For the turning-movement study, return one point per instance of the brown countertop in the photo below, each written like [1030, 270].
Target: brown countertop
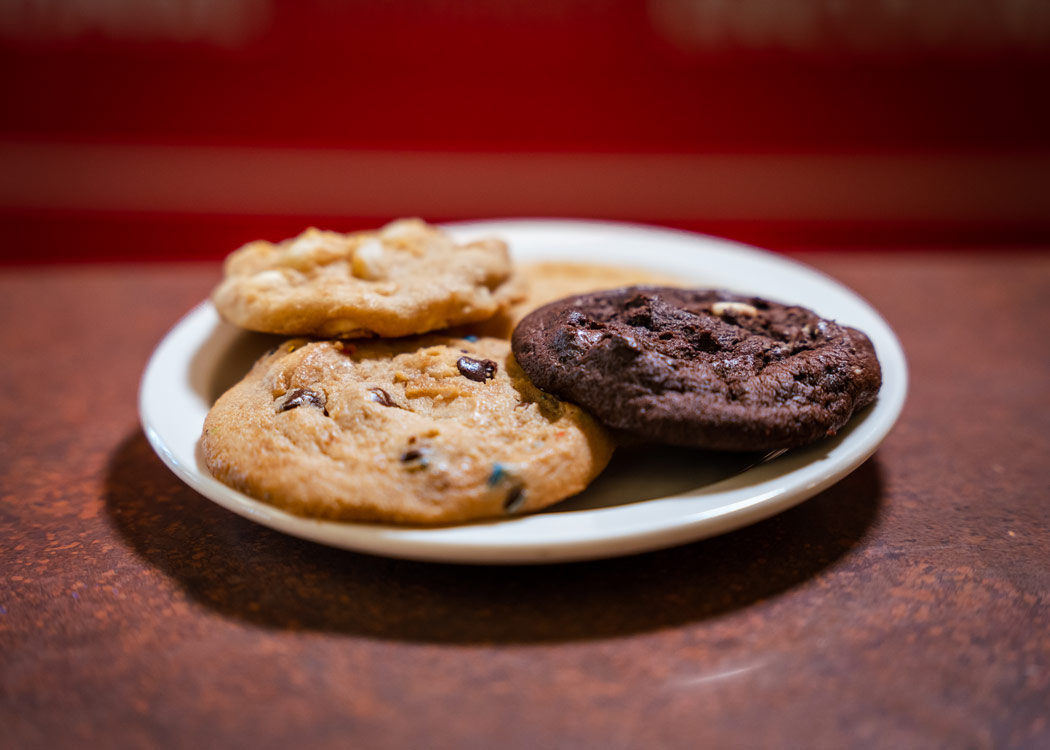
[908, 606]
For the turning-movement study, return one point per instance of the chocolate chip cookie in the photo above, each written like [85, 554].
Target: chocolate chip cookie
[422, 430]
[547, 281]
[406, 278]
[700, 368]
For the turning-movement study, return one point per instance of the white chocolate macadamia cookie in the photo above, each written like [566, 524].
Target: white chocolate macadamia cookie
[403, 279]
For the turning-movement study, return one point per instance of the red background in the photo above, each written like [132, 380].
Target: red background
[516, 79]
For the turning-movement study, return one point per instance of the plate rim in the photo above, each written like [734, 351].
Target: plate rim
[443, 544]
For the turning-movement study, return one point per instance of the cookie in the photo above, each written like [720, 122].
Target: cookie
[424, 430]
[700, 368]
[404, 279]
[548, 281]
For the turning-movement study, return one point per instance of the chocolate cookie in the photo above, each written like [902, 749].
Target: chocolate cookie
[700, 368]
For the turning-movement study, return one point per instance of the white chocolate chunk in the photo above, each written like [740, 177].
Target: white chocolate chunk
[270, 278]
[368, 261]
[736, 309]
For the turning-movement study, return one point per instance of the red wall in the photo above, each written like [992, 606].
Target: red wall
[159, 130]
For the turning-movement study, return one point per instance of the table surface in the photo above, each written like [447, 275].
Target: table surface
[908, 606]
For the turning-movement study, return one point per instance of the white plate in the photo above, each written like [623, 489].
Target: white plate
[646, 499]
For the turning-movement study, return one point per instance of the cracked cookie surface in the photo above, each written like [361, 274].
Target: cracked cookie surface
[424, 430]
[700, 368]
[406, 278]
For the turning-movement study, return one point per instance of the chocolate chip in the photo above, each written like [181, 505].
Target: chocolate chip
[497, 475]
[414, 460]
[303, 397]
[515, 499]
[478, 370]
[382, 397]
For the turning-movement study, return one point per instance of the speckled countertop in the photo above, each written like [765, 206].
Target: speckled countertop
[908, 606]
